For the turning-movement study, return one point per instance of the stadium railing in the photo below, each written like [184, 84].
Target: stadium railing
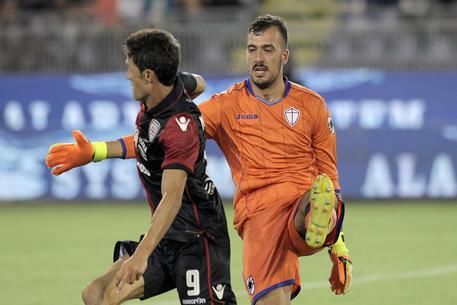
[79, 45]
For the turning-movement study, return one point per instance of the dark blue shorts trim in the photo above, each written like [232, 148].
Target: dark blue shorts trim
[266, 290]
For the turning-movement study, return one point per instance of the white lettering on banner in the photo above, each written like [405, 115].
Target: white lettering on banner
[406, 115]
[97, 175]
[68, 185]
[373, 113]
[23, 177]
[13, 116]
[443, 182]
[378, 182]
[73, 116]
[125, 182]
[104, 114]
[343, 112]
[119, 177]
[39, 111]
[409, 184]
[130, 111]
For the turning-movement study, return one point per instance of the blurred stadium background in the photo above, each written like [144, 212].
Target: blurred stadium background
[387, 69]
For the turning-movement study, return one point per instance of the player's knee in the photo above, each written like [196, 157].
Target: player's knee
[93, 294]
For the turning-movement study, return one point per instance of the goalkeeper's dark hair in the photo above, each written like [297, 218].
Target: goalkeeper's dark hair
[264, 22]
[157, 50]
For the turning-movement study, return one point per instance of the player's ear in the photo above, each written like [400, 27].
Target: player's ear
[285, 56]
[149, 76]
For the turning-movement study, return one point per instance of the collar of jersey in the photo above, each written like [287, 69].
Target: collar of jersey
[170, 99]
[286, 92]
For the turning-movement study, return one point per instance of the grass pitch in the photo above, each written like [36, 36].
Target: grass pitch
[403, 253]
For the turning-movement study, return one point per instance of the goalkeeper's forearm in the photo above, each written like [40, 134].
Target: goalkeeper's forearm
[123, 148]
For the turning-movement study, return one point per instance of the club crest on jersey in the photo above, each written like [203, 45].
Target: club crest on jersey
[292, 115]
[154, 128]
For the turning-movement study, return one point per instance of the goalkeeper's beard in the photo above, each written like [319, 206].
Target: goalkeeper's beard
[263, 83]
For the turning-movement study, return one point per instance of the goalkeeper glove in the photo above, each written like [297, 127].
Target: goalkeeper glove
[341, 275]
[65, 156]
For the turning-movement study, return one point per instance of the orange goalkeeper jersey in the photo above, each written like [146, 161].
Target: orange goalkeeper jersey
[274, 149]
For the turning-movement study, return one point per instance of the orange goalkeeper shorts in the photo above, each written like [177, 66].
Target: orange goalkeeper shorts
[271, 247]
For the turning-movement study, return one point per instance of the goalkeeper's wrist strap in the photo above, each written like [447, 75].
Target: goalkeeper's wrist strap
[124, 147]
[100, 151]
[128, 146]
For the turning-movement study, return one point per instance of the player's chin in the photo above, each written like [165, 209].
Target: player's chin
[139, 97]
[261, 82]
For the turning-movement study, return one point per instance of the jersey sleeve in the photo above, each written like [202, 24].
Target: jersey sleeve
[180, 141]
[211, 111]
[324, 142]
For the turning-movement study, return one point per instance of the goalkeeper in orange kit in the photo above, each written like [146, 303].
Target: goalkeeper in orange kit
[280, 143]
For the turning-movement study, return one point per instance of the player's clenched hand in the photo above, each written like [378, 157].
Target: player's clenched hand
[341, 275]
[63, 157]
[131, 270]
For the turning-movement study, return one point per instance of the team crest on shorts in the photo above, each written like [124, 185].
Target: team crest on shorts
[250, 285]
[292, 115]
[154, 128]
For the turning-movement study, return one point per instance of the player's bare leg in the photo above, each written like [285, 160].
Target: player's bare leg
[316, 214]
[278, 296]
[102, 290]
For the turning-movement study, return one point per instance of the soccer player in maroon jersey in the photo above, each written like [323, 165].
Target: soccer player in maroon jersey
[187, 244]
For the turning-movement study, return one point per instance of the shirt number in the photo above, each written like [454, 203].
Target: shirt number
[193, 282]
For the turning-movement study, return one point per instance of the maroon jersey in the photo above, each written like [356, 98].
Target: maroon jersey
[171, 136]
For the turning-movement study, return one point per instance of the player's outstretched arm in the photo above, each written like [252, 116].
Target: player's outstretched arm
[341, 274]
[63, 157]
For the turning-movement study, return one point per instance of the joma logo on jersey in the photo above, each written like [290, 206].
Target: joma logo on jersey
[241, 116]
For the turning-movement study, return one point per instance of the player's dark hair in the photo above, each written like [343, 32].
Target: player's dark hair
[264, 22]
[157, 50]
